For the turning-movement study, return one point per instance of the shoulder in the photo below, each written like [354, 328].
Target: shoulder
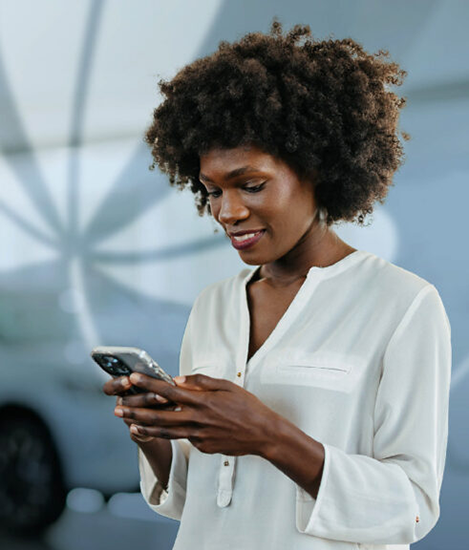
[390, 274]
[396, 288]
[389, 278]
[223, 291]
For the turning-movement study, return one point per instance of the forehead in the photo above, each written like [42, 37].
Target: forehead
[221, 162]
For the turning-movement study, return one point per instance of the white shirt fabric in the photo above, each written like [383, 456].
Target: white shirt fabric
[361, 362]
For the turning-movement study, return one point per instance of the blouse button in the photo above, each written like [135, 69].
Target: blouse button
[417, 519]
[226, 463]
[238, 375]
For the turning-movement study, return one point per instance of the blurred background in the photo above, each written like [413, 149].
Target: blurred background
[97, 249]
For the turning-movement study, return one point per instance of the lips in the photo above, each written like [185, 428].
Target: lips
[244, 232]
[246, 239]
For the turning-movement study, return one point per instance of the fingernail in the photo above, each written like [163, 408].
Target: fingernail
[177, 409]
[125, 382]
[179, 379]
[135, 377]
[160, 398]
[134, 429]
[118, 412]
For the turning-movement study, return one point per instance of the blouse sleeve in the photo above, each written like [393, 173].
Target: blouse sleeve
[169, 501]
[393, 496]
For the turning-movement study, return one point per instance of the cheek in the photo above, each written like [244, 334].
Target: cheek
[214, 208]
[295, 208]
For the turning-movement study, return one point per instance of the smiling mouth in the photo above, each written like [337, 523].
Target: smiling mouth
[242, 238]
[247, 240]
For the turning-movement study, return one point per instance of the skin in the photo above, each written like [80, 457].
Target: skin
[285, 207]
[218, 416]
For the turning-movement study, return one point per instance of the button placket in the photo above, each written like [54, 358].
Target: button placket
[239, 379]
[228, 463]
[225, 480]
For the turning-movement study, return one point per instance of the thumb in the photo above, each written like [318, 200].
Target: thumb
[200, 382]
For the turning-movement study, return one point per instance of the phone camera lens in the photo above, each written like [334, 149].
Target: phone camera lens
[111, 363]
[114, 366]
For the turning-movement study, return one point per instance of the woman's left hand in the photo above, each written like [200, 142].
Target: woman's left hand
[215, 415]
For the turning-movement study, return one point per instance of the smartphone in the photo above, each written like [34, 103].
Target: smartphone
[123, 361]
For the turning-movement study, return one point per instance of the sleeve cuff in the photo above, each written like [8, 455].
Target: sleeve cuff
[347, 506]
[168, 502]
[307, 506]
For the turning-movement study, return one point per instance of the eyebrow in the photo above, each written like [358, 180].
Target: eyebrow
[233, 174]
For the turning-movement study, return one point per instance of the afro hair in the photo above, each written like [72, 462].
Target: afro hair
[323, 107]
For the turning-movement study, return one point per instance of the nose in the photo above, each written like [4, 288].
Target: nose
[231, 208]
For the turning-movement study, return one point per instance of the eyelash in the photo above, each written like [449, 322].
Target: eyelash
[254, 189]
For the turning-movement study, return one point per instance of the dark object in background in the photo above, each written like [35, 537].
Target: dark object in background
[32, 489]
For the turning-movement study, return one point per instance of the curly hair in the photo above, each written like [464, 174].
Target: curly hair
[323, 107]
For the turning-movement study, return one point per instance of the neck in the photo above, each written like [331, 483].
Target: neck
[321, 247]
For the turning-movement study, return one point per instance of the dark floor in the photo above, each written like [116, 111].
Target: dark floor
[129, 524]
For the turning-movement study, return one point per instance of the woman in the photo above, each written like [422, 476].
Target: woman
[311, 411]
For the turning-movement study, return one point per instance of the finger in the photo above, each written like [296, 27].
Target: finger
[117, 386]
[203, 382]
[147, 399]
[136, 436]
[166, 407]
[160, 387]
[181, 432]
[152, 417]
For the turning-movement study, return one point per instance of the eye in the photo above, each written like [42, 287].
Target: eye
[255, 188]
[251, 189]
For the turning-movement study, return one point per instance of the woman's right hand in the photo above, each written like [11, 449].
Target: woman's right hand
[120, 387]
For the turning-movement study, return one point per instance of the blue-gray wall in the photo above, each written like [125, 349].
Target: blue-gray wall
[97, 249]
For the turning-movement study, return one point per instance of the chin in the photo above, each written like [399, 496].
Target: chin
[250, 261]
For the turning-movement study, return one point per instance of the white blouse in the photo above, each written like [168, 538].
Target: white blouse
[361, 362]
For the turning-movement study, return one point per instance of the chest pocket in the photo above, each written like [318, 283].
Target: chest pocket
[327, 370]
